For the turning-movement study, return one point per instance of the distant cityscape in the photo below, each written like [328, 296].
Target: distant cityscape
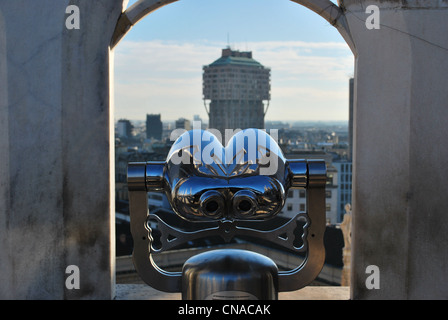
[236, 94]
[298, 140]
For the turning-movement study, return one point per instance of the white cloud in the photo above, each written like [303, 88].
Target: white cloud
[166, 77]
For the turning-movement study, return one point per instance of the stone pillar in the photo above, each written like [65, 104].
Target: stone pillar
[56, 173]
[400, 174]
[346, 228]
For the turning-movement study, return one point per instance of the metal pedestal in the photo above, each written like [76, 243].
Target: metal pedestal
[229, 274]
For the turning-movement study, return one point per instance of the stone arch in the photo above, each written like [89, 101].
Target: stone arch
[329, 11]
[325, 8]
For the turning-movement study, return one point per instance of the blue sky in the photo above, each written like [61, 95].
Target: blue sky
[158, 65]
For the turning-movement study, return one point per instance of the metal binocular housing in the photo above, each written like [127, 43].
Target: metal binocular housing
[246, 181]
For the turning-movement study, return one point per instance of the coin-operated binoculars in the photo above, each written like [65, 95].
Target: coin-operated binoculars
[236, 186]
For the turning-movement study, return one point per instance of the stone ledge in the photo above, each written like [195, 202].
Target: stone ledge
[144, 292]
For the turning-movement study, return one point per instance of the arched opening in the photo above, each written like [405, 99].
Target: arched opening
[335, 59]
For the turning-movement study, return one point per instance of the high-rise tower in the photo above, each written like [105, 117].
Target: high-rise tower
[154, 126]
[237, 90]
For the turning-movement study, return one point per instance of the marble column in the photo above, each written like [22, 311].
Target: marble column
[56, 164]
[400, 128]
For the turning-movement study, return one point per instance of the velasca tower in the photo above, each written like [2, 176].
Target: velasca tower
[236, 90]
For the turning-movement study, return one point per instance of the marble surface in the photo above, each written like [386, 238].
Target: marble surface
[144, 292]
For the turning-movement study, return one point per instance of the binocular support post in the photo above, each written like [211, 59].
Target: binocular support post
[142, 257]
[315, 259]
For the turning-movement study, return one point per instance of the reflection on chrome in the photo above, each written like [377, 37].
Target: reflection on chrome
[245, 180]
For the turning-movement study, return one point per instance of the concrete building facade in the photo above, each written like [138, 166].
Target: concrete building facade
[154, 126]
[344, 189]
[182, 123]
[124, 128]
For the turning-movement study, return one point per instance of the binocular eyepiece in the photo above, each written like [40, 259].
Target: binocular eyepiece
[242, 205]
[212, 204]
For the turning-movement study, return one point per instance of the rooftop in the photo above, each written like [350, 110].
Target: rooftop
[234, 57]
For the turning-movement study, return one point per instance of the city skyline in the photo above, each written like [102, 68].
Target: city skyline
[310, 62]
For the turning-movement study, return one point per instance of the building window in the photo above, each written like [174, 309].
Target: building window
[302, 207]
[328, 207]
[302, 193]
[290, 193]
[289, 207]
[328, 194]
